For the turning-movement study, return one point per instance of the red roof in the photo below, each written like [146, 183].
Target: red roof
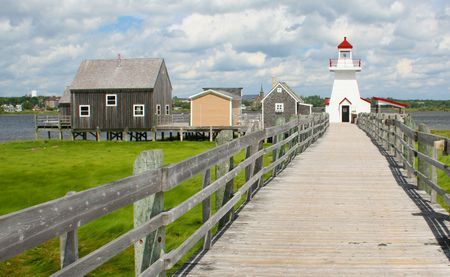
[345, 44]
[345, 99]
[367, 100]
[390, 102]
[327, 101]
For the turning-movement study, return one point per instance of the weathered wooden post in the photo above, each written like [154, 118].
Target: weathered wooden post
[276, 138]
[206, 209]
[398, 145]
[224, 193]
[68, 244]
[151, 248]
[437, 146]
[423, 166]
[97, 134]
[125, 134]
[181, 134]
[210, 134]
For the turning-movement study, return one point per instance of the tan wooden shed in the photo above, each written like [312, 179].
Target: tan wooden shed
[216, 107]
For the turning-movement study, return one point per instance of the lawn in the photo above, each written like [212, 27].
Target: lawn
[35, 172]
[38, 171]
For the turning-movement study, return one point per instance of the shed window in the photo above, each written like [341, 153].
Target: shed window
[111, 100]
[279, 90]
[158, 109]
[85, 110]
[167, 110]
[138, 110]
[279, 107]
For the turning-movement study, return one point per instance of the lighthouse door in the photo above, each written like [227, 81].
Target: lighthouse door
[345, 113]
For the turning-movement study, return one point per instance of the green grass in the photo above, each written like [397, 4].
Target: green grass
[35, 172]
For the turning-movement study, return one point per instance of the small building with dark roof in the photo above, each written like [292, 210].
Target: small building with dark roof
[282, 101]
[64, 103]
[119, 94]
[216, 107]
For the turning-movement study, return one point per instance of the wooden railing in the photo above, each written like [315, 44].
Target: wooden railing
[33, 226]
[416, 150]
[52, 121]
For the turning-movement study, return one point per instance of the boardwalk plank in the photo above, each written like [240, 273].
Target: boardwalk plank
[336, 210]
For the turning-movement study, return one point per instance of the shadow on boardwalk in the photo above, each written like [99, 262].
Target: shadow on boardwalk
[435, 220]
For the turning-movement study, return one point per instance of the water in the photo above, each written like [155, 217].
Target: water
[21, 127]
[16, 127]
[434, 120]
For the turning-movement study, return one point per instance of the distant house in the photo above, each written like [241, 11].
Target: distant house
[282, 101]
[118, 94]
[51, 102]
[216, 107]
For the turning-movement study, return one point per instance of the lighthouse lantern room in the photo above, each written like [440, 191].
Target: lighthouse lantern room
[345, 102]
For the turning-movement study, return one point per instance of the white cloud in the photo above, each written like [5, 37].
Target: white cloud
[404, 67]
[231, 43]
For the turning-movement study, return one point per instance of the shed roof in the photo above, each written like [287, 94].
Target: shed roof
[65, 99]
[235, 93]
[117, 74]
[384, 101]
[221, 93]
[289, 91]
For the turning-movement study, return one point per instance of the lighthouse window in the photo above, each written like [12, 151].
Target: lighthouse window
[345, 54]
[279, 107]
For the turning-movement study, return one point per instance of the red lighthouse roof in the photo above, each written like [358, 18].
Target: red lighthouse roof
[345, 44]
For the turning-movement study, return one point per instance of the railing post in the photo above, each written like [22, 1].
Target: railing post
[206, 209]
[151, 248]
[423, 166]
[276, 152]
[437, 146]
[68, 244]
[224, 193]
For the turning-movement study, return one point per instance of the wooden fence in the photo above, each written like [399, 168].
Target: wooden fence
[33, 226]
[417, 150]
[52, 121]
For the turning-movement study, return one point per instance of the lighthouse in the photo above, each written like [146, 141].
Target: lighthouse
[345, 102]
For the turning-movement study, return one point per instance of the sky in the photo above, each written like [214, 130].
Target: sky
[404, 45]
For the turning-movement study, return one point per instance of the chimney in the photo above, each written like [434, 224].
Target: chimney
[274, 81]
[119, 60]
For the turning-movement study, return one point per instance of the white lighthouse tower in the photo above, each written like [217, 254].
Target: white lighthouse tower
[345, 101]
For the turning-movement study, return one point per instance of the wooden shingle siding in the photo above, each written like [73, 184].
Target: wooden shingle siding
[270, 115]
[111, 117]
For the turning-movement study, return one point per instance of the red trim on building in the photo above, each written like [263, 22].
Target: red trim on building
[390, 102]
[326, 101]
[344, 100]
[367, 100]
[345, 44]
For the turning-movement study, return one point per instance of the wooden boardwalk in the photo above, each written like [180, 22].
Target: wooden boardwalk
[339, 209]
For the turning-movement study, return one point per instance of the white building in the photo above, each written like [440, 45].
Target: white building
[34, 93]
[345, 101]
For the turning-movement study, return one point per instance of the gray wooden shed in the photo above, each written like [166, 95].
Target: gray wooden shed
[118, 94]
[282, 101]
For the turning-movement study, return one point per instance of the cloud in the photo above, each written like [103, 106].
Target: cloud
[404, 48]
[404, 67]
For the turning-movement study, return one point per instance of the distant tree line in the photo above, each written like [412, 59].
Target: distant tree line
[27, 102]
